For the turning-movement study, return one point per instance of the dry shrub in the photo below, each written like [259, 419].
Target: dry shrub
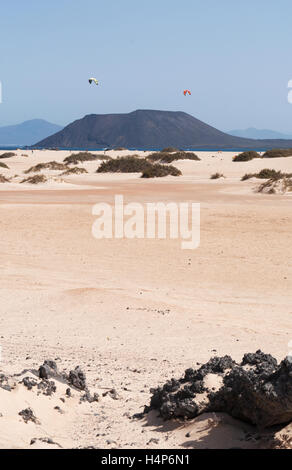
[246, 156]
[3, 179]
[171, 157]
[216, 176]
[273, 186]
[267, 173]
[169, 150]
[278, 153]
[134, 164]
[128, 164]
[76, 158]
[74, 171]
[36, 179]
[46, 166]
[157, 171]
[8, 155]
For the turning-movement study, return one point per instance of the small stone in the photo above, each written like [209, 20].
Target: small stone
[153, 440]
[110, 442]
[28, 415]
[112, 393]
[57, 408]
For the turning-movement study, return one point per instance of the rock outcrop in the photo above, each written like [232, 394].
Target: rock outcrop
[257, 390]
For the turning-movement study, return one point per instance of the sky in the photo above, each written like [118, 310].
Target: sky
[235, 57]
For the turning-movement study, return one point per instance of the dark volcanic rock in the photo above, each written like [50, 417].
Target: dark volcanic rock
[29, 382]
[258, 391]
[48, 369]
[89, 398]
[46, 440]
[77, 378]
[264, 364]
[112, 393]
[4, 383]
[47, 387]
[28, 415]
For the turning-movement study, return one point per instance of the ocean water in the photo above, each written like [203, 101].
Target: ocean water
[81, 149]
[9, 147]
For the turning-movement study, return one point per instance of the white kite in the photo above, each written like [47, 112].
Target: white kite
[93, 80]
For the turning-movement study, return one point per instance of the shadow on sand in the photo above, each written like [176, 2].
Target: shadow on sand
[207, 431]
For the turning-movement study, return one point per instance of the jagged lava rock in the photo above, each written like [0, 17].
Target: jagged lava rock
[48, 369]
[77, 378]
[257, 390]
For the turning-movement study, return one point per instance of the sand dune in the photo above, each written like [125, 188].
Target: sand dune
[134, 313]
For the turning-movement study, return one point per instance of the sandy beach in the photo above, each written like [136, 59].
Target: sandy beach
[134, 313]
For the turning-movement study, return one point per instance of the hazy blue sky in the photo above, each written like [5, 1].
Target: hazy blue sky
[235, 57]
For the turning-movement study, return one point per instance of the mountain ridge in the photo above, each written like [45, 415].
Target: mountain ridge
[254, 133]
[148, 129]
[27, 132]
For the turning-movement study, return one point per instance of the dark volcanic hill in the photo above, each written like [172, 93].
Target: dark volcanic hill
[148, 129]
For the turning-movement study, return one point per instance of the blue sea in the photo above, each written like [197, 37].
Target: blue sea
[80, 149]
